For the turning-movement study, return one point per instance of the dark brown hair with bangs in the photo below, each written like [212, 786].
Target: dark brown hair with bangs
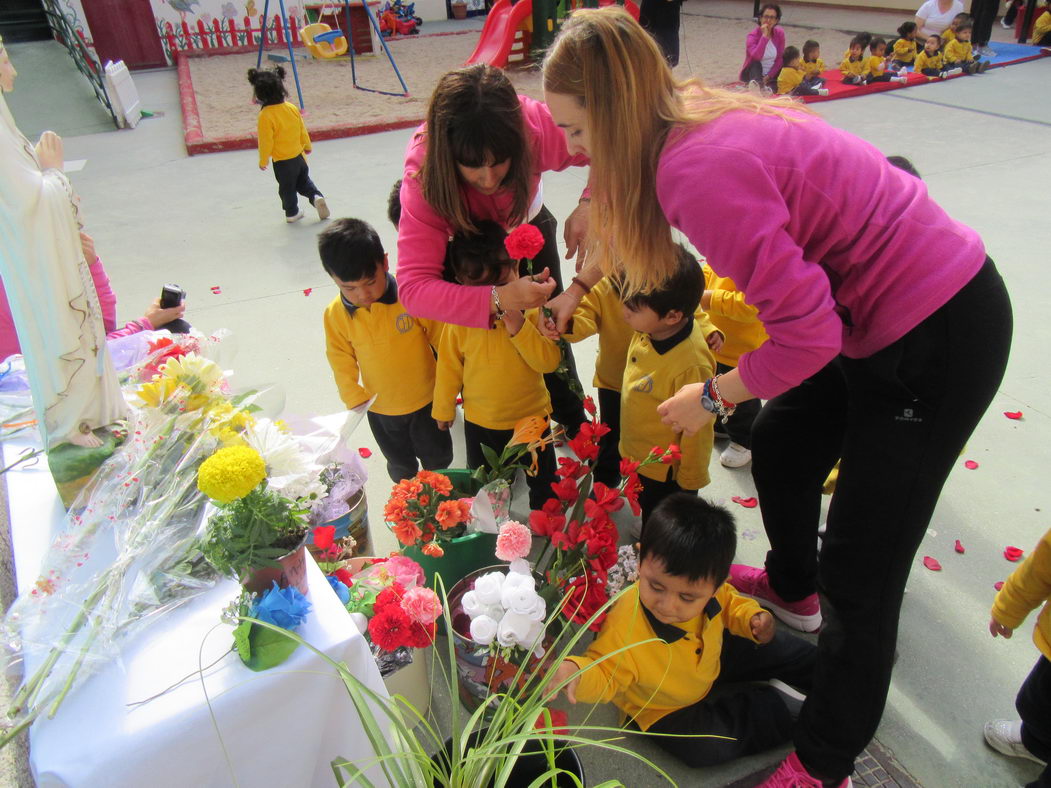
[474, 119]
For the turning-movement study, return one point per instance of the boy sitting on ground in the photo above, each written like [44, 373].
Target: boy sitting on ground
[376, 348]
[681, 651]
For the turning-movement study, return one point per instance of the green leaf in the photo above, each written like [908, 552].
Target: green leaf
[269, 648]
[241, 641]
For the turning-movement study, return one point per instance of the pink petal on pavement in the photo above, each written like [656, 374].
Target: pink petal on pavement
[932, 563]
[308, 291]
[959, 547]
[1013, 553]
[747, 503]
[365, 452]
[998, 584]
[970, 465]
[1014, 415]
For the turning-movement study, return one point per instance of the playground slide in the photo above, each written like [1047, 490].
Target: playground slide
[498, 35]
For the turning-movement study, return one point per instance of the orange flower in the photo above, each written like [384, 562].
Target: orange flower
[528, 430]
[452, 513]
[433, 550]
[437, 481]
[406, 531]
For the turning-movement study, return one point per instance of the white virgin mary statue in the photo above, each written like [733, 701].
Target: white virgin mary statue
[53, 301]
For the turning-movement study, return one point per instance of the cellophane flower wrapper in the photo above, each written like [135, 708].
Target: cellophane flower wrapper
[390, 662]
[491, 506]
[126, 553]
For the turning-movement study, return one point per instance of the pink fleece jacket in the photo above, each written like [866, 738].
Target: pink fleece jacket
[840, 251]
[755, 46]
[423, 235]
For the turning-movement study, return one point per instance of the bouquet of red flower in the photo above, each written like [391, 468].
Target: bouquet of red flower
[422, 511]
[582, 538]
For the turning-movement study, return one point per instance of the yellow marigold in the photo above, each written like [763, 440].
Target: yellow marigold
[231, 473]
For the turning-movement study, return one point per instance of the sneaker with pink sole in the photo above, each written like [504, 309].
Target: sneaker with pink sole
[792, 774]
[804, 615]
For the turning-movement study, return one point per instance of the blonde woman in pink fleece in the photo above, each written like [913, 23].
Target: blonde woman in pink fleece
[876, 353]
[480, 156]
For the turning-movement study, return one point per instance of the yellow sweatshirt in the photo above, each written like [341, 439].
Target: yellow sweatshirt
[1041, 27]
[601, 312]
[501, 376]
[905, 50]
[282, 133]
[813, 68]
[875, 66]
[925, 61]
[652, 376]
[789, 79]
[856, 68]
[737, 320]
[648, 681]
[948, 34]
[384, 348]
[1027, 588]
[958, 52]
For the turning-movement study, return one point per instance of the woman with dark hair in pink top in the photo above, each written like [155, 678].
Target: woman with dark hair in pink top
[764, 47]
[876, 353]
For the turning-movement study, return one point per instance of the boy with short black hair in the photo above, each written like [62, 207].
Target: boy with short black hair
[691, 649]
[793, 79]
[667, 352]
[959, 55]
[500, 369]
[376, 348]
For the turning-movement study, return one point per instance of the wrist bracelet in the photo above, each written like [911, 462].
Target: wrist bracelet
[713, 402]
[576, 280]
[496, 303]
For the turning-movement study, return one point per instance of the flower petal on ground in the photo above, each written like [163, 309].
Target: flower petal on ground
[970, 465]
[959, 547]
[747, 503]
[1014, 415]
[932, 563]
[365, 452]
[1013, 553]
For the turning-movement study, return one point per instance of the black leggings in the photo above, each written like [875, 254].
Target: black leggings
[1034, 707]
[898, 419]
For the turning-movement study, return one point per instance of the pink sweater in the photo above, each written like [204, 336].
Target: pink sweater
[840, 251]
[423, 235]
[755, 46]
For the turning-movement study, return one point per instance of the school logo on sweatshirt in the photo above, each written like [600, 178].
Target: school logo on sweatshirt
[404, 323]
[909, 415]
[644, 386]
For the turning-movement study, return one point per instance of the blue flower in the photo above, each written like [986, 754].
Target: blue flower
[341, 590]
[282, 607]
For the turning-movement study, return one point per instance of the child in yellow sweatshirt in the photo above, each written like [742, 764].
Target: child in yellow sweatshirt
[377, 349]
[668, 351]
[929, 62]
[813, 65]
[681, 632]
[500, 369]
[1042, 28]
[958, 54]
[877, 67]
[283, 137]
[949, 33]
[792, 79]
[1028, 587]
[904, 51]
[854, 66]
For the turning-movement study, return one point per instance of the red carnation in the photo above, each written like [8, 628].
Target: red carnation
[559, 722]
[586, 595]
[673, 454]
[420, 636]
[525, 241]
[344, 576]
[389, 597]
[391, 628]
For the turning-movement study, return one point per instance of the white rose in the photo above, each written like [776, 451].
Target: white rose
[514, 630]
[536, 632]
[539, 611]
[470, 604]
[519, 580]
[520, 567]
[487, 588]
[519, 600]
[495, 612]
[483, 630]
[360, 622]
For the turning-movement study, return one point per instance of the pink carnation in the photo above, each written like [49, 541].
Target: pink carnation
[514, 541]
[405, 571]
[422, 605]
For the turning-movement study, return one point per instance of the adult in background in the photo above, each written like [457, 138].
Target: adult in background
[764, 47]
[661, 19]
[879, 352]
[934, 16]
[480, 156]
[984, 13]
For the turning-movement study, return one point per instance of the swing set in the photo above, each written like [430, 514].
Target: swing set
[330, 43]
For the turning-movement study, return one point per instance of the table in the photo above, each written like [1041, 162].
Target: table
[281, 727]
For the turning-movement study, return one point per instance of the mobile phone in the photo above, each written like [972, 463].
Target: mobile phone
[171, 295]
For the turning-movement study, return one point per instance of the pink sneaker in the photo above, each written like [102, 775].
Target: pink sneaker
[792, 774]
[804, 615]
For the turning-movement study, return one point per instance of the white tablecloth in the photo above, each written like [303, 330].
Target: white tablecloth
[281, 727]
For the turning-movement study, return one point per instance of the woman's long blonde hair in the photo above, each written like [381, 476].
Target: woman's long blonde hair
[605, 60]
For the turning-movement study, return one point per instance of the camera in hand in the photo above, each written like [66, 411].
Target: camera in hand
[173, 295]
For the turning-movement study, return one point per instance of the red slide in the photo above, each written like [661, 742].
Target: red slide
[498, 35]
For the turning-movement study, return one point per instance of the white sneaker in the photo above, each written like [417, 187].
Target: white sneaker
[822, 91]
[755, 88]
[735, 456]
[322, 208]
[293, 219]
[986, 51]
[952, 72]
[901, 78]
[792, 697]
[1005, 736]
[1004, 25]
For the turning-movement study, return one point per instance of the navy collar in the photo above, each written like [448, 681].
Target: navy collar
[662, 346]
[390, 296]
[670, 633]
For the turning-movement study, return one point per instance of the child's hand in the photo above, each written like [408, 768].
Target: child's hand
[996, 629]
[443, 425]
[762, 625]
[87, 245]
[262, 168]
[715, 341]
[565, 670]
[548, 328]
